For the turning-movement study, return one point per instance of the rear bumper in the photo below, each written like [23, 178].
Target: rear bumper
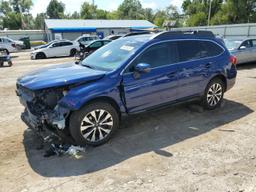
[230, 83]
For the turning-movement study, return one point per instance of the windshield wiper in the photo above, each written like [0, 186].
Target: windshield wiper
[87, 66]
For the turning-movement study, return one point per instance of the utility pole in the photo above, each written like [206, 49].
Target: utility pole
[94, 14]
[210, 11]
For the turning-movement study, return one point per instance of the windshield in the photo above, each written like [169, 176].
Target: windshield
[232, 44]
[114, 54]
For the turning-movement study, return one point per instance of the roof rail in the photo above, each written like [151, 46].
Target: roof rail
[137, 33]
[203, 34]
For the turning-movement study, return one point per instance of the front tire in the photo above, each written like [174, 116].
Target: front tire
[94, 124]
[213, 95]
[40, 55]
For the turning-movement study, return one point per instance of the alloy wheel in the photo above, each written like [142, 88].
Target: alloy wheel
[214, 94]
[96, 125]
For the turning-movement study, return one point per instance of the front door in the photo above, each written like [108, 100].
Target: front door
[156, 87]
[54, 50]
[245, 52]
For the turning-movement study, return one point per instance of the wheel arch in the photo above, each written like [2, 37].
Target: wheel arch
[222, 78]
[7, 51]
[104, 99]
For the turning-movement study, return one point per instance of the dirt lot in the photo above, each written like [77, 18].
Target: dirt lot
[175, 149]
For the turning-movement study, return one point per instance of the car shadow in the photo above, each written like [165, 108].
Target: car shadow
[60, 57]
[14, 56]
[138, 135]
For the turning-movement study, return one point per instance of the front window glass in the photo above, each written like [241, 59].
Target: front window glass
[114, 54]
[157, 56]
[96, 44]
[247, 44]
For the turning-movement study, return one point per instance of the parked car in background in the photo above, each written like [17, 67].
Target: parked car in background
[56, 49]
[244, 50]
[128, 76]
[5, 58]
[10, 45]
[86, 50]
[86, 39]
[113, 37]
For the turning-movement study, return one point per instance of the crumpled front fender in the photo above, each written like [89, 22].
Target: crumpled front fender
[79, 96]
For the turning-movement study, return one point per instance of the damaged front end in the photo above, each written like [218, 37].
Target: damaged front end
[42, 112]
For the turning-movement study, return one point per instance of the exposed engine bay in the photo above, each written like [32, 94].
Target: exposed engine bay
[42, 111]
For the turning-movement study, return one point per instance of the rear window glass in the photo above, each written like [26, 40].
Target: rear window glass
[66, 43]
[193, 49]
[211, 48]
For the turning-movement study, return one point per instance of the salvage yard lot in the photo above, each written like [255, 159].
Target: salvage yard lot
[175, 149]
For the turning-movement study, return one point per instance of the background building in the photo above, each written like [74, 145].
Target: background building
[71, 29]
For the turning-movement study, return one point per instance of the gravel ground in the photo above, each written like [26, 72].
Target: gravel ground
[175, 149]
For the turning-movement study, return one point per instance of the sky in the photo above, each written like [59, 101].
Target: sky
[75, 5]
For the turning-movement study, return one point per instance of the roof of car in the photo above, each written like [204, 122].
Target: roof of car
[99, 40]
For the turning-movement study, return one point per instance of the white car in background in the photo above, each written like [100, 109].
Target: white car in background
[56, 49]
[86, 39]
[10, 45]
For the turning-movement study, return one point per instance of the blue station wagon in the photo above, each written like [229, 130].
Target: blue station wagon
[85, 102]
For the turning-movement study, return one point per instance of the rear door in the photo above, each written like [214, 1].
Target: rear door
[197, 61]
[156, 87]
[65, 48]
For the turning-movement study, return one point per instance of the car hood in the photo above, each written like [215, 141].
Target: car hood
[19, 42]
[39, 49]
[60, 75]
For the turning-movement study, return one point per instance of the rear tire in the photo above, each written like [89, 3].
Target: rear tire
[94, 124]
[9, 63]
[73, 52]
[40, 55]
[213, 95]
[7, 52]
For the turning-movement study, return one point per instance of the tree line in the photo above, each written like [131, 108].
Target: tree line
[221, 12]
[16, 14]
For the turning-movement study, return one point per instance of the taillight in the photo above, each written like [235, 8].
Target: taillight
[233, 59]
[13, 45]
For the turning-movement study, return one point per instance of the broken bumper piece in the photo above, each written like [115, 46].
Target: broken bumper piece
[52, 122]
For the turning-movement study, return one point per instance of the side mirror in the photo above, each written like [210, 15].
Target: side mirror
[242, 48]
[143, 68]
